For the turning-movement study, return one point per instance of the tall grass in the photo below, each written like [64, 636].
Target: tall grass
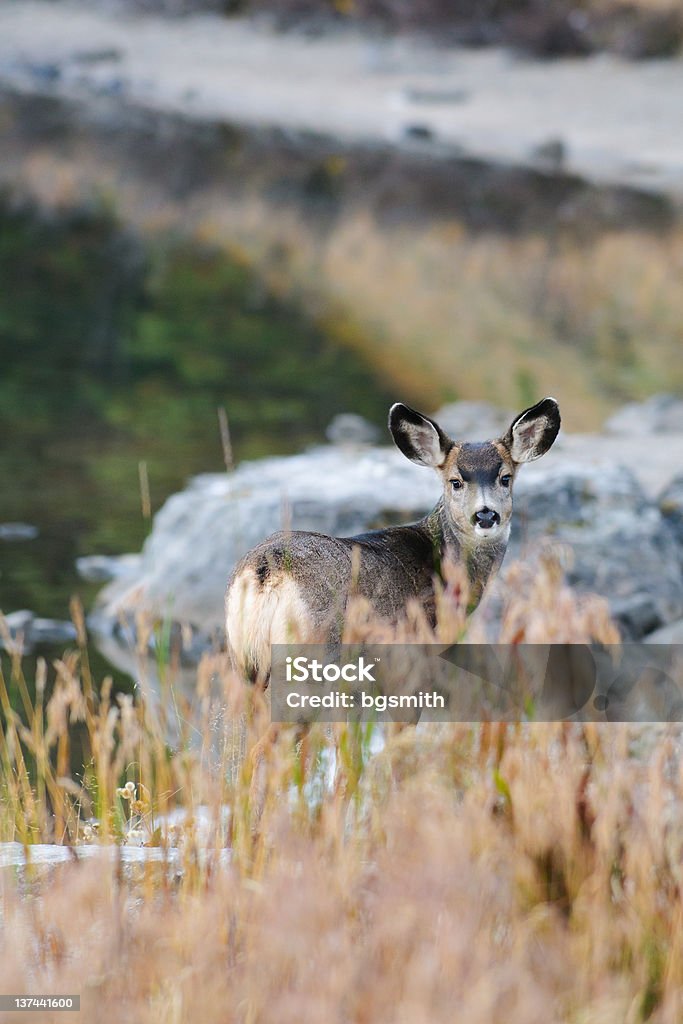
[478, 873]
[446, 313]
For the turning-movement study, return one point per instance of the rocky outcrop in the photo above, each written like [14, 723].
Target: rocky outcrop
[671, 506]
[625, 540]
[671, 634]
[660, 414]
[470, 421]
[18, 531]
[621, 545]
[23, 631]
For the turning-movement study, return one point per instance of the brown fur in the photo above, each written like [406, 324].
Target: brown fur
[294, 586]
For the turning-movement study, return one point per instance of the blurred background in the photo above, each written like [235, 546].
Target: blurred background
[268, 212]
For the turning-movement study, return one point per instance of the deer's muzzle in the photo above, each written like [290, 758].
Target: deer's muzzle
[485, 518]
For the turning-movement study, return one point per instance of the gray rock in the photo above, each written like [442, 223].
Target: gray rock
[636, 615]
[623, 548]
[433, 96]
[671, 506]
[97, 55]
[46, 73]
[655, 460]
[52, 631]
[550, 155]
[103, 568]
[473, 421]
[419, 131]
[660, 414]
[18, 531]
[348, 428]
[27, 631]
[620, 543]
[19, 621]
[671, 634]
[567, 494]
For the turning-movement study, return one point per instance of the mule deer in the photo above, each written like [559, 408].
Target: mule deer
[295, 585]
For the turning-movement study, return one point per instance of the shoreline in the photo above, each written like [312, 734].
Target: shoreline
[601, 118]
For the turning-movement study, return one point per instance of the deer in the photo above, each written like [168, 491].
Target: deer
[295, 585]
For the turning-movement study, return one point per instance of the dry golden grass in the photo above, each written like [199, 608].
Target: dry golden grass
[444, 313]
[519, 873]
[440, 311]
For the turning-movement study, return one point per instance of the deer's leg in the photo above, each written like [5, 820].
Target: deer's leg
[264, 776]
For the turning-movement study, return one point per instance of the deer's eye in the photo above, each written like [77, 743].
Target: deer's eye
[456, 484]
[505, 480]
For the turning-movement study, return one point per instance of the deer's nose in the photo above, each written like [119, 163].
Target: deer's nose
[486, 518]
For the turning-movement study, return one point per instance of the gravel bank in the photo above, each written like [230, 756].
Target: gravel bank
[604, 119]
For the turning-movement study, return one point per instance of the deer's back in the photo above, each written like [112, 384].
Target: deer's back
[294, 586]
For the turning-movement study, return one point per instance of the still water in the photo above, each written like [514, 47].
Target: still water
[114, 355]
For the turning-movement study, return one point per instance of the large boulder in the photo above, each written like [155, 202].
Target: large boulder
[660, 414]
[671, 634]
[473, 421]
[622, 545]
[671, 506]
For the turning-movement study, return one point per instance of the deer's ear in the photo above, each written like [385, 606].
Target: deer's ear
[420, 439]
[533, 432]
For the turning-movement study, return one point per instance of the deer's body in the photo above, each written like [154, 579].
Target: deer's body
[295, 586]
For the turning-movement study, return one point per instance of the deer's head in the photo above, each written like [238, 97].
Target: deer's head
[477, 477]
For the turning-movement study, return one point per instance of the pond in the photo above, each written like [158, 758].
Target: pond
[116, 357]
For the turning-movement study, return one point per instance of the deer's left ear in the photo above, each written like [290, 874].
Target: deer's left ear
[533, 432]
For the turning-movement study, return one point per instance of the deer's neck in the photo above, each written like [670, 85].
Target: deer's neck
[481, 559]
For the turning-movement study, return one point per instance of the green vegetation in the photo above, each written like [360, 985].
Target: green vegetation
[112, 355]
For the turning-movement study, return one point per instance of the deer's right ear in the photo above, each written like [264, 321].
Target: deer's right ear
[420, 439]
